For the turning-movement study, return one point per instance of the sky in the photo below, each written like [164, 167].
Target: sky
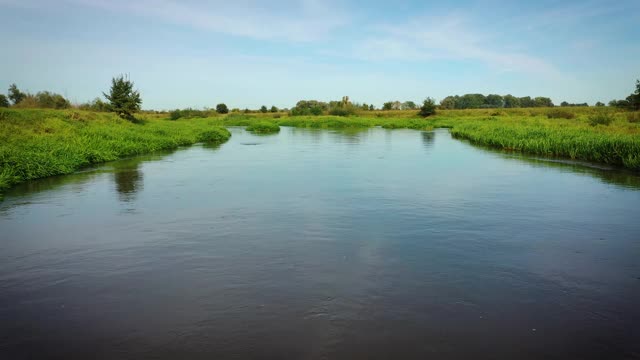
[248, 53]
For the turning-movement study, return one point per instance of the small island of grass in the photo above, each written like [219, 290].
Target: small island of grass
[263, 127]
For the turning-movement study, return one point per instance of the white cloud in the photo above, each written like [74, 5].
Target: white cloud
[447, 38]
[293, 20]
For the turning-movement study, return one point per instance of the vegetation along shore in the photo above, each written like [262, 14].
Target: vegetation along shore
[44, 135]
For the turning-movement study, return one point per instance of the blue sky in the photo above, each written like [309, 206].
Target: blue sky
[246, 53]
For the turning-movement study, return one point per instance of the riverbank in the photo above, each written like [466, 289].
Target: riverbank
[38, 143]
[536, 131]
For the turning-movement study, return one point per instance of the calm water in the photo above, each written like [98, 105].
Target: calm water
[323, 244]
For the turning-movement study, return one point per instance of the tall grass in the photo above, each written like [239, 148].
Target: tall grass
[263, 127]
[569, 134]
[36, 143]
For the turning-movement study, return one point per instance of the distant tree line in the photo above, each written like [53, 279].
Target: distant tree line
[566, 104]
[480, 101]
[42, 99]
[345, 107]
[632, 102]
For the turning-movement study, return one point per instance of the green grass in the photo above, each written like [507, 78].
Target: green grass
[570, 133]
[36, 143]
[263, 127]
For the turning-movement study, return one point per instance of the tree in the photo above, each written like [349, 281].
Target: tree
[471, 101]
[4, 101]
[408, 105]
[51, 100]
[564, 104]
[634, 99]
[511, 101]
[124, 101]
[493, 101]
[371, 107]
[448, 103]
[16, 95]
[543, 102]
[599, 104]
[527, 102]
[274, 109]
[222, 109]
[309, 107]
[387, 106]
[428, 107]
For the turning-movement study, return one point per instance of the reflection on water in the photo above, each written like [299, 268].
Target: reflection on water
[128, 179]
[606, 173]
[428, 138]
[322, 244]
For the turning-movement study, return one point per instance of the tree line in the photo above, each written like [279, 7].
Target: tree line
[125, 101]
[42, 99]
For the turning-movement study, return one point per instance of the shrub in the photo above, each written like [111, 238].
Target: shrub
[560, 114]
[15, 94]
[175, 114]
[263, 127]
[222, 109]
[263, 109]
[633, 117]
[274, 109]
[603, 118]
[94, 105]
[428, 107]
[343, 110]
[4, 101]
[189, 113]
[124, 100]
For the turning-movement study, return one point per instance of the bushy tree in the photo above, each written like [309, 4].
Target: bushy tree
[511, 101]
[527, 102]
[371, 107]
[599, 104]
[95, 105]
[51, 100]
[16, 95]
[634, 99]
[541, 101]
[273, 109]
[448, 103]
[123, 100]
[409, 105]
[493, 101]
[309, 107]
[263, 109]
[428, 107]
[222, 109]
[4, 101]
[387, 106]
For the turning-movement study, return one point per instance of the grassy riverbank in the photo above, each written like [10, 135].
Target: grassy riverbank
[591, 134]
[39, 143]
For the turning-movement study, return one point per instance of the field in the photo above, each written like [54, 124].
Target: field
[590, 134]
[39, 143]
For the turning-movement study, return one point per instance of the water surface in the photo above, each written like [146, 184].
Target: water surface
[315, 244]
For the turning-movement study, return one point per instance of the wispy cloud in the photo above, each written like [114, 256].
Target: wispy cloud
[294, 20]
[447, 38]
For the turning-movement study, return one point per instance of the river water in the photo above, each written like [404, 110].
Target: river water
[317, 244]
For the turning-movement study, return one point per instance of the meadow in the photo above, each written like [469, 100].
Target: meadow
[36, 143]
[599, 135]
